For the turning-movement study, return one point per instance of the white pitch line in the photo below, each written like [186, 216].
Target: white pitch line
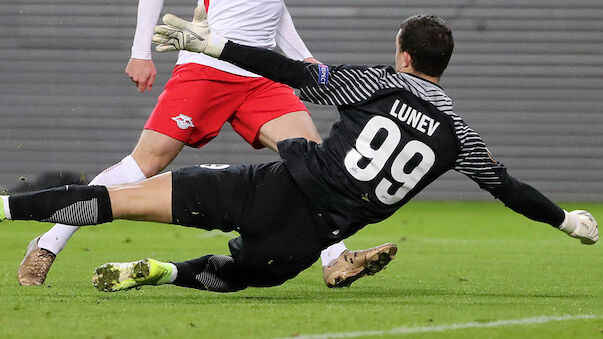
[442, 328]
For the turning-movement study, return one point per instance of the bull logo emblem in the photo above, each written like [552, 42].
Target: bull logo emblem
[183, 121]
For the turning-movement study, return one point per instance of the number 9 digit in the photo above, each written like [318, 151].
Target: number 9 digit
[408, 180]
[377, 156]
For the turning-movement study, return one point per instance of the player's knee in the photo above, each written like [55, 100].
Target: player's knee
[155, 151]
[291, 125]
[150, 169]
[151, 163]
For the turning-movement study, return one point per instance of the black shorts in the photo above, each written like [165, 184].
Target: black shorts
[281, 234]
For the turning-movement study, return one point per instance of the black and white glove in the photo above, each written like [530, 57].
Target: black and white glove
[196, 36]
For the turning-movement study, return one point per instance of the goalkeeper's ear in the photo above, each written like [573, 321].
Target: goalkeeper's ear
[200, 14]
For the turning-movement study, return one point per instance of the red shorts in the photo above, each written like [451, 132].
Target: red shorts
[198, 100]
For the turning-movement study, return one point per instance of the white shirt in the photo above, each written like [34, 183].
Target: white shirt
[258, 23]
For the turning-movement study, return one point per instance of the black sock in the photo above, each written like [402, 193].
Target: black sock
[77, 205]
[216, 273]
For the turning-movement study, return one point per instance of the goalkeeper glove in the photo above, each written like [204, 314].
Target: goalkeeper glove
[196, 36]
[582, 225]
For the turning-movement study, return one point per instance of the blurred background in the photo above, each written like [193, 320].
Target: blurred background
[526, 74]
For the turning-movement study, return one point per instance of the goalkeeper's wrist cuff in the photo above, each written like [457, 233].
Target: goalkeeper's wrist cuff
[215, 45]
[569, 224]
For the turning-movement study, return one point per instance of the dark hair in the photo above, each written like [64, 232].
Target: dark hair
[429, 42]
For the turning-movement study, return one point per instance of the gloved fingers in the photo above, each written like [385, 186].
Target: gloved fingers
[167, 31]
[200, 14]
[160, 39]
[172, 20]
[165, 48]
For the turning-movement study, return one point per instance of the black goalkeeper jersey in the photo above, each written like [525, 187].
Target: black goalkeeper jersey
[397, 133]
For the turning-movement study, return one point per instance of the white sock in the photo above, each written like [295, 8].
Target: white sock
[174, 273]
[124, 172]
[5, 205]
[331, 253]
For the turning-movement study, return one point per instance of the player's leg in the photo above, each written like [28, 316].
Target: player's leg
[273, 113]
[125, 171]
[210, 195]
[216, 273]
[173, 123]
[148, 200]
[202, 196]
[279, 237]
[152, 154]
[43, 249]
[79, 205]
[296, 124]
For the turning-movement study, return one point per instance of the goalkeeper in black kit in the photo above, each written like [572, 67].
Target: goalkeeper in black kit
[397, 133]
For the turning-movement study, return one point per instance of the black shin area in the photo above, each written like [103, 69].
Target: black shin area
[77, 205]
[217, 273]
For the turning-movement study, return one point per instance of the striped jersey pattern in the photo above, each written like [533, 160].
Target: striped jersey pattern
[350, 85]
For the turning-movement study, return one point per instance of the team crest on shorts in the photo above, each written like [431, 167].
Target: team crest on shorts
[183, 121]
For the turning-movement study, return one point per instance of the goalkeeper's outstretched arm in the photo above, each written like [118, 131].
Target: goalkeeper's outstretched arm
[267, 63]
[525, 199]
[325, 82]
[522, 198]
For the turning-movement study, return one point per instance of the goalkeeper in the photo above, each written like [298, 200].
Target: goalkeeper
[397, 134]
[202, 95]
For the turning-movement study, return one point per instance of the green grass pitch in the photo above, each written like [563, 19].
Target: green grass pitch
[463, 270]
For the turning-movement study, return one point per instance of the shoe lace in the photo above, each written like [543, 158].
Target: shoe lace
[42, 260]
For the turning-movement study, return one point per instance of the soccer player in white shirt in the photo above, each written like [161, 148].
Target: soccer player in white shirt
[202, 95]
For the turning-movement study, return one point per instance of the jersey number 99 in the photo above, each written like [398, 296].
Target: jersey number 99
[356, 160]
